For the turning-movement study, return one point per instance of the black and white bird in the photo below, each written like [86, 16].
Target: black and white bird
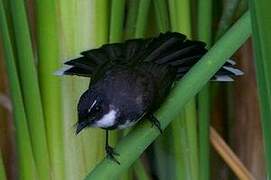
[130, 80]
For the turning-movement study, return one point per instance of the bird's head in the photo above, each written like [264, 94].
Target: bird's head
[94, 110]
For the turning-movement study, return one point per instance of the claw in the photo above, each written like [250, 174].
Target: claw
[111, 154]
[155, 123]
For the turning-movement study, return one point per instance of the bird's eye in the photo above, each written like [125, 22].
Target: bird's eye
[98, 108]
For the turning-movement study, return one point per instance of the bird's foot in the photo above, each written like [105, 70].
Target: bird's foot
[111, 154]
[155, 122]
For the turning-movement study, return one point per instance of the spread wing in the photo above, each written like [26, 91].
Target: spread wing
[169, 49]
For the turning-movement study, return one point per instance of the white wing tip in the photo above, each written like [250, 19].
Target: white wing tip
[235, 71]
[232, 62]
[224, 78]
[61, 71]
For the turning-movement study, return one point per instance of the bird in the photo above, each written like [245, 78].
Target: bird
[130, 80]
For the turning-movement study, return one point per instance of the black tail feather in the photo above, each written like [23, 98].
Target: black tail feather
[171, 48]
[114, 51]
[133, 48]
[98, 56]
[82, 63]
[77, 71]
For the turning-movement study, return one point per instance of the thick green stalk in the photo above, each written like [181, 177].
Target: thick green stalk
[260, 16]
[204, 34]
[173, 15]
[160, 160]
[101, 22]
[2, 168]
[25, 157]
[80, 151]
[183, 17]
[161, 15]
[116, 20]
[226, 19]
[142, 18]
[192, 139]
[30, 88]
[178, 148]
[140, 171]
[182, 23]
[131, 146]
[131, 18]
[205, 21]
[48, 62]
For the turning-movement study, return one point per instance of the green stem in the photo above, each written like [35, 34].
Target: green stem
[101, 23]
[260, 16]
[142, 18]
[228, 13]
[140, 171]
[116, 20]
[131, 146]
[173, 15]
[30, 88]
[204, 34]
[161, 14]
[48, 58]
[186, 137]
[131, 18]
[25, 157]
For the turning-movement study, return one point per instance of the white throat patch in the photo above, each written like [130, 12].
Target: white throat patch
[107, 120]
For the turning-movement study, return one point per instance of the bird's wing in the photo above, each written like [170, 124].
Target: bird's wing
[169, 49]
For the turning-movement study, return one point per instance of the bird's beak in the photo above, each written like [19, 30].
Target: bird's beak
[81, 126]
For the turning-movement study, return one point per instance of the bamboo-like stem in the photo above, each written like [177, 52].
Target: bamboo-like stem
[225, 21]
[48, 58]
[30, 88]
[25, 157]
[229, 157]
[131, 146]
[142, 18]
[132, 8]
[204, 34]
[183, 17]
[161, 165]
[140, 171]
[116, 20]
[161, 14]
[101, 21]
[188, 140]
[84, 150]
[172, 15]
[260, 17]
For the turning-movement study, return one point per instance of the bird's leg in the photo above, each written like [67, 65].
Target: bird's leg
[155, 122]
[109, 150]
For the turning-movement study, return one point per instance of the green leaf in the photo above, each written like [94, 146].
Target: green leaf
[260, 17]
[25, 157]
[30, 88]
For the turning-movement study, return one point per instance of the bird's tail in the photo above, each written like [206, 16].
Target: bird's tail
[174, 49]
[169, 48]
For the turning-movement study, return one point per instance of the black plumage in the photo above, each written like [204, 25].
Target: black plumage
[130, 80]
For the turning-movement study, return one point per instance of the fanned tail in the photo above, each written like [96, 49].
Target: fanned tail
[171, 49]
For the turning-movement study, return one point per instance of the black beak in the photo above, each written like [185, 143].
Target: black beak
[81, 126]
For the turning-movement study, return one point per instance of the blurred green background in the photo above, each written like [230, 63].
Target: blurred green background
[38, 109]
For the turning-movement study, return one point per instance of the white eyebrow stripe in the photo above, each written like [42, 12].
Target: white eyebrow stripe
[92, 105]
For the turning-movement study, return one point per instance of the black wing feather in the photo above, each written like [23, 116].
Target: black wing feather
[168, 49]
